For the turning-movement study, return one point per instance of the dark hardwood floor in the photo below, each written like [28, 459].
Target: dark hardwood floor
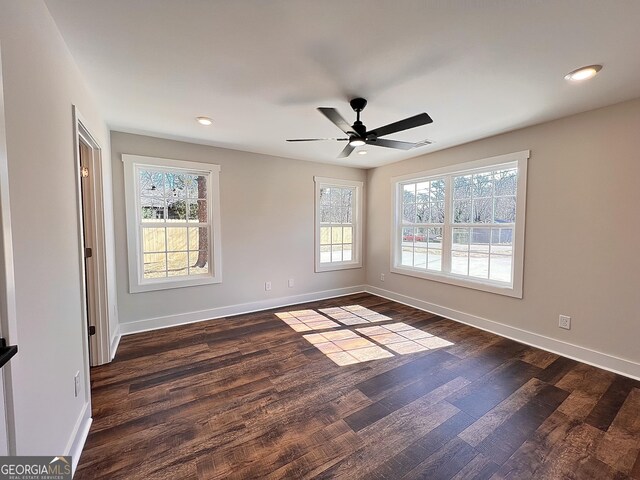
[250, 397]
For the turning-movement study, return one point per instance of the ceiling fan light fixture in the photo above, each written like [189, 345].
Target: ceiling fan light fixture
[583, 73]
[362, 152]
[206, 121]
[357, 142]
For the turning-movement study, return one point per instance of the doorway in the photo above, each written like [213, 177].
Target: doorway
[93, 259]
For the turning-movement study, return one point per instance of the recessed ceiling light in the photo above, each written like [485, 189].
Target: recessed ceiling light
[583, 73]
[204, 120]
[362, 152]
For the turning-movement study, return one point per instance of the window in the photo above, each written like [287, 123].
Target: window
[464, 224]
[173, 223]
[338, 224]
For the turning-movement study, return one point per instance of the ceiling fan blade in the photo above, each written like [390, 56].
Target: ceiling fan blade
[333, 115]
[314, 139]
[381, 142]
[347, 151]
[406, 124]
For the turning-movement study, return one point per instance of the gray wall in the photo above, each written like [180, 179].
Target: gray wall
[582, 231]
[267, 215]
[41, 83]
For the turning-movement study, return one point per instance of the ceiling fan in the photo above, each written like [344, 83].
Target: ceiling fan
[358, 134]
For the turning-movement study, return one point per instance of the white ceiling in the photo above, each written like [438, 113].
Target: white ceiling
[260, 68]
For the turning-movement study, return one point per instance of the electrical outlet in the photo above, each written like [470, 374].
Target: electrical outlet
[267, 286]
[382, 277]
[564, 322]
[291, 283]
[76, 384]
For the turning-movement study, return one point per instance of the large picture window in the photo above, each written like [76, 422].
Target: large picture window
[338, 224]
[463, 224]
[172, 223]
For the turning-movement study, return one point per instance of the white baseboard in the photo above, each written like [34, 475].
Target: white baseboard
[192, 317]
[79, 437]
[115, 342]
[605, 361]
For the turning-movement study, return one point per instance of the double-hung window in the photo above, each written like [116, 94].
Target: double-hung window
[173, 223]
[463, 224]
[338, 224]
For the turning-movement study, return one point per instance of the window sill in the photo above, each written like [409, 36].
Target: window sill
[452, 279]
[150, 286]
[329, 267]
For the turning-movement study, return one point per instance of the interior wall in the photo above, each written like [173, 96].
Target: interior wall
[582, 231]
[41, 83]
[267, 225]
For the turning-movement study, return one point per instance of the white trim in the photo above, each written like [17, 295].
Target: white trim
[598, 359]
[238, 309]
[515, 289]
[115, 342]
[79, 437]
[99, 352]
[136, 282]
[358, 220]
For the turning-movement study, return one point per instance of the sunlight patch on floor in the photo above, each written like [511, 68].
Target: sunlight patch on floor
[306, 320]
[346, 346]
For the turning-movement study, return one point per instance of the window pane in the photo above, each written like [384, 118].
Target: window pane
[174, 185]
[347, 254]
[153, 240]
[336, 197]
[420, 257]
[435, 259]
[482, 185]
[480, 239]
[152, 209]
[325, 235]
[336, 235]
[462, 211]
[479, 265]
[176, 209]
[420, 238]
[151, 184]
[502, 241]
[194, 237]
[407, 255]
[176, 238]
[422, 212]
[482, 210]
[407, 235]
[347, 234]
[435, 237]
[325, 254]
[348, 215]
[409, 193]
[422, 192]
[155, 265]
[437, 191]
[325, 196]
[409, 213]
[506, 182]
[460, 262]
[336, 253]
[196, 186]
[198, 211]
[336, 215]
[460, 240]
[505, 210]
[462, 187]
[347, 196]
[437, 212]
[325, 214]
[198, 263]
[501, 267]
[177, 264]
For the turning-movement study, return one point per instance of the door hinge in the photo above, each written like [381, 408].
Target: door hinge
[88, 253]
[92, 330]
[84, 172]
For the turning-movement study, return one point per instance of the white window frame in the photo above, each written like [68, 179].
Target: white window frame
[133, 163]
[517, 159]
[356, 258]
